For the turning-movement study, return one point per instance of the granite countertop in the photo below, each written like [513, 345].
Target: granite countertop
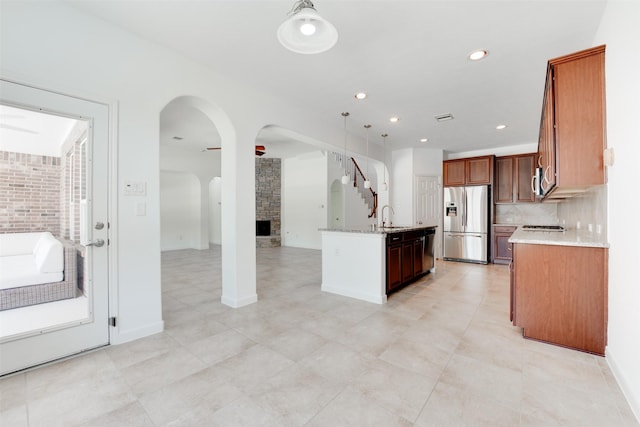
[570, 237]
[379, 230]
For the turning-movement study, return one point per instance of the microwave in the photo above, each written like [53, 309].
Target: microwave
[536, 182]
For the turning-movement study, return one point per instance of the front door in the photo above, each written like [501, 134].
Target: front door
[40, 333]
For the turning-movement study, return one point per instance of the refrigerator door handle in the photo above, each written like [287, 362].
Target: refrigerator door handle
[464, 209]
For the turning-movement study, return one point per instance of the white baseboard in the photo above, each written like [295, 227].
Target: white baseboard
[634, 401]
[237, 303]
[376, 299]
[120, 337]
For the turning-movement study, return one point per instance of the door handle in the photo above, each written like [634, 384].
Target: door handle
[97, 243]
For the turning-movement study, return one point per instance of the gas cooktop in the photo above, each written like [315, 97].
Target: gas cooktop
[543, 228]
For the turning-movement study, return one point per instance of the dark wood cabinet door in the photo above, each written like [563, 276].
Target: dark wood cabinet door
[479, 170]
[418, 255]
[454, 172]
[579, 95]
[407, 261]
[503, 247]
[572, 129]
[503, 185]
[561, 295]
[394, 267]
[525, 167]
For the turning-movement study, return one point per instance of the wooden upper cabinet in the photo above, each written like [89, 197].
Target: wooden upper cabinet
[454, 172]
[480, 170]
[525, 167]
[572, 130]
[471, 171]
[503, 183]
[512, 182]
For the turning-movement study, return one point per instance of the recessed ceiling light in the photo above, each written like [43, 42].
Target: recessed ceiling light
[394, 119]
[424, 140]
[477, 55]
[500, 127]
[361, 95]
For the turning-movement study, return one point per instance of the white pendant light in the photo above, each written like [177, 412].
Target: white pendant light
[305, 31]
[345, 177]
[384, 166]
[367, 182]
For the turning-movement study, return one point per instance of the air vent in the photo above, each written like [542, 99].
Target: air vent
[443, 117]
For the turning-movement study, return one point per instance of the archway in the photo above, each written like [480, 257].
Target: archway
[188, 126]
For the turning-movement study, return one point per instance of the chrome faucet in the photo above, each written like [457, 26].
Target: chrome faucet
[392, 211]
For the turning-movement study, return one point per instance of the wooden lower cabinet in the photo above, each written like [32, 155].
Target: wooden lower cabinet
[502, 249]
[394, 267]
[407, 257]
[559, 295]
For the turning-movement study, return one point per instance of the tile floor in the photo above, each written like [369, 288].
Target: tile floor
[441, 352]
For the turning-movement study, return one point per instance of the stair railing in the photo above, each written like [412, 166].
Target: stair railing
[370, 197]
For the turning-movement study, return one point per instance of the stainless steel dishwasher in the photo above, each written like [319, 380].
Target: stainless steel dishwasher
[428, 258]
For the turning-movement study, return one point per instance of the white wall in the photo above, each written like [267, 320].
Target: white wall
[356, 210]
[304, 200]
[45, 44]
[428, 162]
[406, 164]
[215, 224]
[179, 211]
[401, 187]
[620, 31]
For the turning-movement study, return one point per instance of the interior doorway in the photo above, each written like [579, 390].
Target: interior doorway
[190, 203]
[428, 203]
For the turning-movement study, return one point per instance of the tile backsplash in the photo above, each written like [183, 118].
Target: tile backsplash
[527, 213]
[588, 209]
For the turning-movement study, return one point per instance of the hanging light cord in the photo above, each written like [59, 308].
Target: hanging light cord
[384, 148]
[367, 128]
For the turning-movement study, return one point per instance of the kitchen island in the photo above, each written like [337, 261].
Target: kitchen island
[370, 263]
[559, 287]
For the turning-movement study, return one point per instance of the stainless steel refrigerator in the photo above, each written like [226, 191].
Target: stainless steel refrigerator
[466, 223]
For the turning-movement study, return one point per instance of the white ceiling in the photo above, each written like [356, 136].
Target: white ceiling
[409, 56]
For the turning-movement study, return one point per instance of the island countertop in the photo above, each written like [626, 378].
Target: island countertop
[569, 237]
[378, 230]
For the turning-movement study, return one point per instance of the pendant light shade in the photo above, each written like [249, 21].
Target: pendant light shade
[305, 31]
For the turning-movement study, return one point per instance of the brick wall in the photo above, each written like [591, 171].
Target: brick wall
[72, 191]
[30, 188]
[268, 192]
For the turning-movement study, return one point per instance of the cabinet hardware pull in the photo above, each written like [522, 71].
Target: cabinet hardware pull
[545, 174]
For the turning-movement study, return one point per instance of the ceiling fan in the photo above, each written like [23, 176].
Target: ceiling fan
[260, 149]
